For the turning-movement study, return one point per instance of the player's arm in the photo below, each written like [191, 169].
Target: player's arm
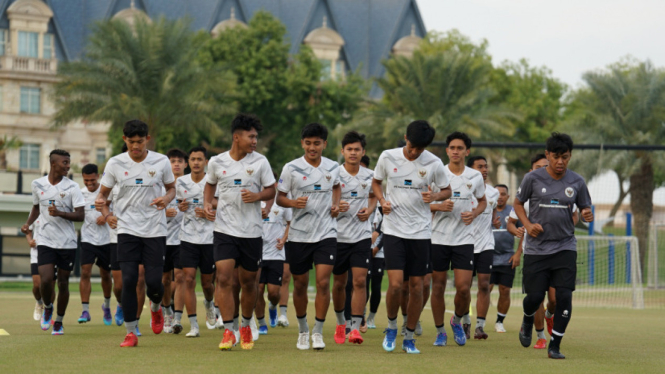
[532, 229]
[266, 194]
[338, 206]
[31, 241]
[281, 241]
[517, 257]
[32, 217]
[512, 228]
[208, 197]
[469, 217]
[162, 202]
[365, 213]
[496, 220]
[78, 215]
[444, 194]
[285, 202]
[378, 193]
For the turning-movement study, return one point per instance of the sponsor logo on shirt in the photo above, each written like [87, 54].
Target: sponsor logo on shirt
[51, 202]
[395, 170]
[195, 201]
[554, 201]
[152, 173]
[276, 212]
[457, 194]
[317, 187]
[92, 206]
[223, 172]
[237, 182]
[42, 192]
[570, 192]
[139, 180]
[304, 178]
[422, 173]
[408, 182]
[250, 171]
[267, 219]
[354, 193]
[343, 185]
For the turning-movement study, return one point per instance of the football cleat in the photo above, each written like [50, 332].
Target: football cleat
[263, 330]
[409, 346]
[389, 339]
[246, 337]
[272, 314]
[157, 321]
[498, 327]
[355, 338]
[85, 317]
[526, 334]
[540, 344]
[441, 339]
[480, 333]
[303, 341]
[58, 329]
[458, 332]
[317, 342]
[107, 318]
[340, 334]
[119, 316]
[228, 341]
[130, 341]
[39, 308]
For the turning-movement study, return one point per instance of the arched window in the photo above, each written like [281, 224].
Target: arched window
[28, 26]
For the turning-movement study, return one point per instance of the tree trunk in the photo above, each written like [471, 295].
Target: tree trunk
[617, 205]
[641, 204]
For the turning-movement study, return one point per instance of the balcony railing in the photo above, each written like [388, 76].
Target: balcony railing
[28, 64]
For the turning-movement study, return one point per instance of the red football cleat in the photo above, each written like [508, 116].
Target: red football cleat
[340, 334]
[541, 344]
[550, 324]
[228, 341]
[355, 338]
[130, 340]
[246, 340]
[157, 321]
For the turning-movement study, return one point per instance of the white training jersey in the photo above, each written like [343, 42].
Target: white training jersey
[252, 173]
[448, 227]
[355, 191]
[195, 230]
[35, 233]
[513, 215]
[273, 229]
[406, 180]
[140, 183]
[91, 232]
[56, 232]
[173, 224]
[378, 218]
[113, 233]
[313, 223]
[483, 223]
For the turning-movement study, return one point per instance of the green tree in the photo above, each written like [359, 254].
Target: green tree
[148, 72]
[625, 104]
[286, 92]
[7, 143]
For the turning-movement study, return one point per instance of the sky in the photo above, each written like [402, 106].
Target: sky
[568, 36]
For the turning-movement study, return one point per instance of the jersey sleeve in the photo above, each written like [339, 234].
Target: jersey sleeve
[440, 178]
[285, 181]
[480, 189]
[288, 214]
[179, 191]
[77, 198]
[583, 198]
[267, 179]
[108, 178]
[513, 215]
[525, 189]
[380, 169]
[167, 174]
[35, 195]
[211, 176]
[336, 181]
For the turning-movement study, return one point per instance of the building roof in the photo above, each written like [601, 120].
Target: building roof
[370, 28]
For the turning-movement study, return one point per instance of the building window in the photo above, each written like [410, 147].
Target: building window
[3, 41]
[101, 155]
[48, 46]
[30, 100]
[339, 69]
[326, 69]
[27, 44]
[29, 157]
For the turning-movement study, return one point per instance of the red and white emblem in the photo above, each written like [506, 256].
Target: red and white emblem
[304, 178]
[126, 173]
[395, 170]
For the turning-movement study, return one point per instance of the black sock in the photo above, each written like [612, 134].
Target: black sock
[555, 342]
[499, 318]
[528, 319]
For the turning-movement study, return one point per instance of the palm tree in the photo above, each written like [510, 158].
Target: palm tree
[7, 143]
[625, 104]
[147, 71]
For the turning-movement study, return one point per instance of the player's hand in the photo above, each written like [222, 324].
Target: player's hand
[497, 222]
[101, 221]
[587, 215]
[32, 243]
[375, 250]
[160, 204]
[25, 229]
[280, 243]
[301, 202]
[363, 214]
[199, 212]
[447, 206]
[184, 205]
[264, 213]
[99, 204]
[53, 211]
[209, 212]
[171, 212]
[515, 260]
[344, 206]
[427, 196]
[334, 211]
[520, 232]
[249, 197]
[467, 218]
[534, 230]
[112, 221]
[386, 207]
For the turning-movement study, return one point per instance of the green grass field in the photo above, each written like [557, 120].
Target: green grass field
[597, 341]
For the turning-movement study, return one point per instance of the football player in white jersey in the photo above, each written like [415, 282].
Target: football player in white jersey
[483, 247]
[195, 242]
[172, 269]
[58, 203]
[313, 184]
[141, 221]
[354, 236]
[275, 233]
[409, 173]
[453, 237]
[95, 246]
[244, 179]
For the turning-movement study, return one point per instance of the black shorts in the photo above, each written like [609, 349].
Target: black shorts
[503, 275]
[449, 257]
[247, 252]
[172, 258]
[271, 272]
[540, 272]
[62, 258]
[412, 256]
[300, 256]
[377, 267]
[115, 265]
[482, 262]
[196, 256]
[101, 253]
[146, 251]
[352, 255]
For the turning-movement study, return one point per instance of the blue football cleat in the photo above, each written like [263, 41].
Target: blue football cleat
[273, 317]
[389, 339]
[263, 330]
[409, 346]
[108, 319]
[441, 339]
[458, 331]
[47, 316]
[85, 317]
[119, 316]
[58, 329]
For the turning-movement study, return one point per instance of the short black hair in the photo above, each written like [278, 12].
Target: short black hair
[536, 158]
[199, 149]
[473, 159]
[135, 127]
[314, 130]
[420, 133]
[354, 137]
[245, 122]
[59, 152]
[502, 185]
[461, 136]
[176, 153]
[90, 169]
[559, 143]
[365, 160]
[124, 148]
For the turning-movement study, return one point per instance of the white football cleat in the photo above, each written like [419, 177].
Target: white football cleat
[283, 321]
[193, 333]
[498, 327]
[317, 342]
[37, 315]
[303, 341]
[254, 328]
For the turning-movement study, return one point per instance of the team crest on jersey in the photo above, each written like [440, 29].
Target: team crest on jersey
[62, 195]
[491, 202]
[363, 185]
[570, 192]
[276, 212]
[422, 173]
[250, 171]
[469, 185]
[328, 177]
[152, 173]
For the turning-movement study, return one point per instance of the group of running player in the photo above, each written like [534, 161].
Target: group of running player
[149, 228]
